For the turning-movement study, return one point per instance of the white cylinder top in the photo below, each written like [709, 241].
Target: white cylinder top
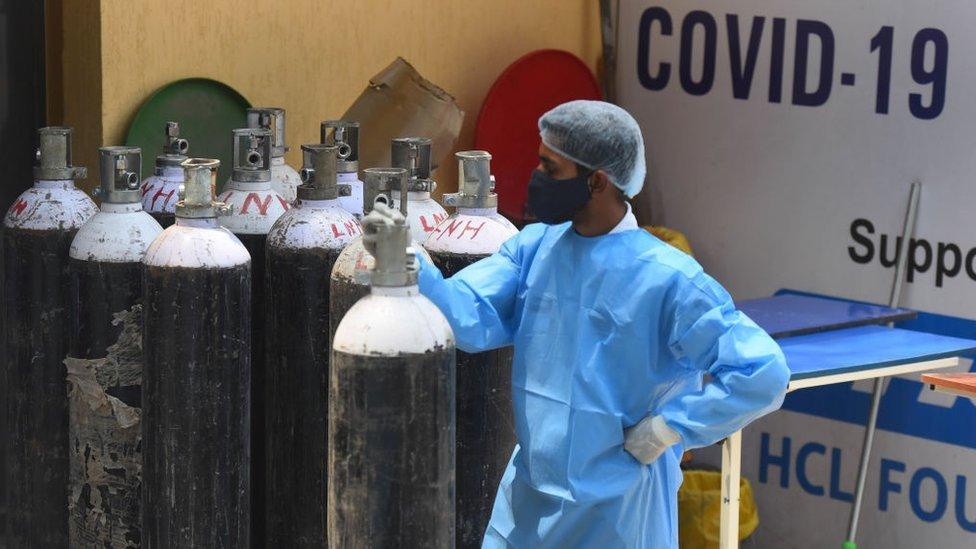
[48, 205]
[120, 233]
[392, 323]
[196, 243]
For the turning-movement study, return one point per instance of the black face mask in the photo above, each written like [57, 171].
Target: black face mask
[555, 201]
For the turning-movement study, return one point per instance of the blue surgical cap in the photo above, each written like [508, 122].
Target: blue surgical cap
[598, 136]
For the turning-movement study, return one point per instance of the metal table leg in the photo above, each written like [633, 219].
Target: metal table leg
[731, 475]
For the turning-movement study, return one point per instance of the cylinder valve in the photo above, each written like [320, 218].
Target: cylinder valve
[54, 155]
[119, 171]
[252, 154]
[379, 185]
[319, 173]
[345, 135]
[413, 155]
[386, 236]
[475, 183]
[200, 184]
[273, 119]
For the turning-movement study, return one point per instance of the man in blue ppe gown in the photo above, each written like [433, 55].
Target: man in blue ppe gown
[613, 332]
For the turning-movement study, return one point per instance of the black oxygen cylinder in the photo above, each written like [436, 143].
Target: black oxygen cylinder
[37, 233]
[485, 427]
[106, 280]
[196, 391]
[254, 208]
[391, 407]
[302, 248]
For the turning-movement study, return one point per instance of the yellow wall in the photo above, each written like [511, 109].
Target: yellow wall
[313, 57]
[74, 76]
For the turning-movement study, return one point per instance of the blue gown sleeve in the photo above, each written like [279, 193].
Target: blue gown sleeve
[479, 301]
[747, 368]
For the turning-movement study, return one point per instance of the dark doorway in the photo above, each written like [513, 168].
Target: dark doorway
[22, 111]
[22, 98]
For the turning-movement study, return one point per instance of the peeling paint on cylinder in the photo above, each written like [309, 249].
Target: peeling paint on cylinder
[97, 291]
[37, 233]
[302, 248]
[106, 275]
[105, 360]
[105, 441]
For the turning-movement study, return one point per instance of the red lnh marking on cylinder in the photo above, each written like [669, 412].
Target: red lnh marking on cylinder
[349, 228]
[262, 205]
[284, 203]
[453, 227]
[145, 188]
[427, 227]
[449, 230]
[19, 206]
[160, 193]
[468, 227]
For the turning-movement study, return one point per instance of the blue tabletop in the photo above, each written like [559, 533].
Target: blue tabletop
[866, 348]
[792, 315]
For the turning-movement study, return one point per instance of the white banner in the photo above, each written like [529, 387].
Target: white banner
[782, 139]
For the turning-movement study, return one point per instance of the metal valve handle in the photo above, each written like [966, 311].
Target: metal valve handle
[386, 236]
[119, 175]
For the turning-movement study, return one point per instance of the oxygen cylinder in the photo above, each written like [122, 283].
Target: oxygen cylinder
[302, 248]
[485, 429]
[105, 265]
[161, 191]
[37, 233]
[106, 255]
[350, 274]
[284, 178]
[413, 155]
[391, 407]
[254, 207]
[196, 387]
[345, 135]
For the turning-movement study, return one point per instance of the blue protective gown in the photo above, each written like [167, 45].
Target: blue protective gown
[606, 330]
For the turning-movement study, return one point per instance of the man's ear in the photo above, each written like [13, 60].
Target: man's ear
[600, 182]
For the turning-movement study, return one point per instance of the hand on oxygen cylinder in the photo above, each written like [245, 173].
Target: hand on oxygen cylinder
[647, 440]
[385, 216]
[372, 223]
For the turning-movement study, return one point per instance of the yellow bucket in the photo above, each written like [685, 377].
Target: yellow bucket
[700, 510]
